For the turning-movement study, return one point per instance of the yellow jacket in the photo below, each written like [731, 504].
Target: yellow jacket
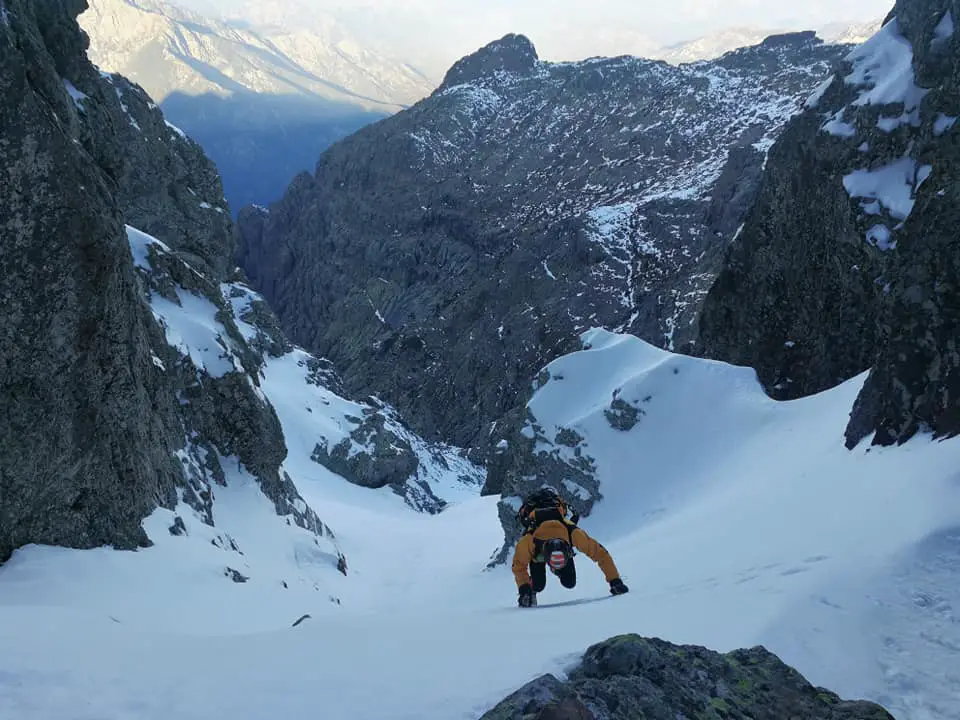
[557, 529]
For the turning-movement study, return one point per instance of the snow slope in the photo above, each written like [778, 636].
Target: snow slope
[735, 520]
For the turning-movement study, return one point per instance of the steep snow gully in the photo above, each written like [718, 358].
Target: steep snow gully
[736, 521]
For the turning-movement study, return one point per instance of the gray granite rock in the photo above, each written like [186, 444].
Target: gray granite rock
[87, 440]
[629, 677]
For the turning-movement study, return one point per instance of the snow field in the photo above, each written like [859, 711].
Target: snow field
[735, 521]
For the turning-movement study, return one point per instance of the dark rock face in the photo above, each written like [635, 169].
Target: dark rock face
[849, 259]
[799, 319]
[104, 419]
[442, 256]
[187, 210]
[629, 677]
[85, 450]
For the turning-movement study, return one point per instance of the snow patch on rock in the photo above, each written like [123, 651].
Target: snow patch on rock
[883, 70]
[892, 186]
[75, 95]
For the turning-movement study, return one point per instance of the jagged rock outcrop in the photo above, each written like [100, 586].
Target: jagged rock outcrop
[390, 461]
[442, 256]
[134, 362]
[848, 260]
[629, 676]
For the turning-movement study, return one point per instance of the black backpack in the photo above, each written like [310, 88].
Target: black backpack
[538, 508]
[542, 505]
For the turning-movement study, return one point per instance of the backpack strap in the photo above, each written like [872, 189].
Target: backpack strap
[541, 515]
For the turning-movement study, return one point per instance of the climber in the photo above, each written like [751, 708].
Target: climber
[549, 538]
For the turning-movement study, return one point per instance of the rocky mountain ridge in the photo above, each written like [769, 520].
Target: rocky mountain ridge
[716, 44]
[848, 259]
[461, 244]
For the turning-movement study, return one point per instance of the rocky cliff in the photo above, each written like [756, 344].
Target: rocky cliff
[132, 353]
[849, 259]
[87, 444]
[443, 255]
[629, 677]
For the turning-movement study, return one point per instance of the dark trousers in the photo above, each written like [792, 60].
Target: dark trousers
[538, 575]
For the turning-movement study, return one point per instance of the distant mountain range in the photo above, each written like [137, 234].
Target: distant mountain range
[716, 44]
[167, 49]
[263, 102]
[265, 95]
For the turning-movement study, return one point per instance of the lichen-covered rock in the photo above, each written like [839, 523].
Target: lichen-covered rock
[629, 677]
[848, 260]
[443, 255]
[545, 698]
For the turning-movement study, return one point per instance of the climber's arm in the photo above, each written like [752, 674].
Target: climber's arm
[522, 556]
[596, 552]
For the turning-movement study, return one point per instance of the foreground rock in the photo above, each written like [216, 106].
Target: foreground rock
[442, 256]
[849, 259]
[629, 677]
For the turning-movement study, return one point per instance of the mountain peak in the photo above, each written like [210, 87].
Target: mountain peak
[512, 53]
[792, 38]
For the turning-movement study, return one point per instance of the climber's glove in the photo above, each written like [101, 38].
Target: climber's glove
[617, 587]
[526, 596]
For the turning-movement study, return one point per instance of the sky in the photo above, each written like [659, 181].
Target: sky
[438, 32]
